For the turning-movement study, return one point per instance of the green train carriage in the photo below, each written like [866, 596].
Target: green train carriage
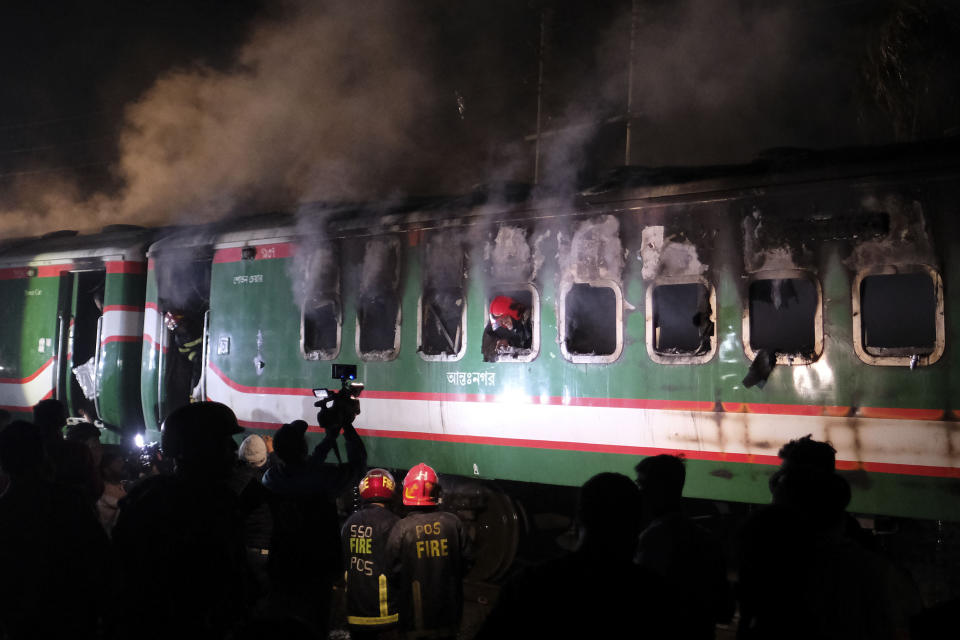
[70, 301]
[804, 262]
[651, 297]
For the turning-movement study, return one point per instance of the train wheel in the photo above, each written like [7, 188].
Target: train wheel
[497, 531]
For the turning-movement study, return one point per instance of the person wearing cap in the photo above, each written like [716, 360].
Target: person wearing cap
[179, 538]
[371, 604]
[508, 330]
[257, 505]
[427, 553]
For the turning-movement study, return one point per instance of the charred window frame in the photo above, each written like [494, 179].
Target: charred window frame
[379, 306]
[681, 321]
[801, 299]
[321, 317]
[442, 306]
[441, 341]
[528, 295]
[581, 330]
[894, 305]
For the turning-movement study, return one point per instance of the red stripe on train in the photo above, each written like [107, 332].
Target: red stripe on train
[615, 403]
[42, 271]
[30, 378]
[263, 252]
[710, 456]
[110, 339]
[261, 390]
[123, 307]
[132, 267]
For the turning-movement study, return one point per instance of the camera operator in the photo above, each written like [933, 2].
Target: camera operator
[305, 546]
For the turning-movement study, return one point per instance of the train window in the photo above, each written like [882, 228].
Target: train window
[520, 342]
[898, 316]
[442, 311]
[320, 329]
[378, 308]
[591, 322]
[681, 322]
[784, 316]
[320, 319]
[442, 324]
[378, 327]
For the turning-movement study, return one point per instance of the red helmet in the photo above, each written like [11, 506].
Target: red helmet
[503, 306]
[378, 484]
[421, 487]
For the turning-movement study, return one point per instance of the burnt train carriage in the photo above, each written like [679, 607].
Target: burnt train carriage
[651, 297]
[73, 302]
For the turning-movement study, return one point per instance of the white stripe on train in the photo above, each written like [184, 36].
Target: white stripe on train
[903, 442]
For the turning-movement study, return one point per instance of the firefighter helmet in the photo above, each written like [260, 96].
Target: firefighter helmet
[504, 306]
[378, 484]
[421, 487]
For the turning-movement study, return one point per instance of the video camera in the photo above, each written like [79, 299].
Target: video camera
[339, 407]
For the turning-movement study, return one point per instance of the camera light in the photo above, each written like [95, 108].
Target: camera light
[138, 440]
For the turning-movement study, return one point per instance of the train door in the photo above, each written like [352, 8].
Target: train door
[81, 316]
[182, 306]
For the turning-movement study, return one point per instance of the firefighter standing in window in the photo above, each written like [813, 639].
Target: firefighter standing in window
[427, 552]
[371, 604]
[188, 337]
[508, 330]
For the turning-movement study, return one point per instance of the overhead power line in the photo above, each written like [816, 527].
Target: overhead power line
[31, 172]
[41, 123]
[45, 147]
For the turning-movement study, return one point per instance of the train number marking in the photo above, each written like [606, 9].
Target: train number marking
[252, 279]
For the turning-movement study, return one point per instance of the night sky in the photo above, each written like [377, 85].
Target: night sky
[158, 111]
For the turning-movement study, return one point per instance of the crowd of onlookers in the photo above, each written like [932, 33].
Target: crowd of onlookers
[208, 539]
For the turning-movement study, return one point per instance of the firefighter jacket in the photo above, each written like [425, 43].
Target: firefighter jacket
[519, 337]
[189, 342]
[428, 551]
[371, 603]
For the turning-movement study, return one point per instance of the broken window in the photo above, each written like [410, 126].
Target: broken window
[681, 322]
[591, 322]
[784, 318]
[378, 309]
[519, 342]
[443, 305]
[442, 312]
[320, 319]
[321, 328]
[900, 317]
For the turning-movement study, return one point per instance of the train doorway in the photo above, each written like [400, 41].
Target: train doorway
[81, 324]
[183, 304]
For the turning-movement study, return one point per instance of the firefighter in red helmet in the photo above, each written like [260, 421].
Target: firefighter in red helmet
[428, 551]
[509, 329]
[372, 606]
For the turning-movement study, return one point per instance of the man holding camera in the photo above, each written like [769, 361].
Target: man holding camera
[305, 548]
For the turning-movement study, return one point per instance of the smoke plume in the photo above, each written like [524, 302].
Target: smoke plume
[321, 103]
